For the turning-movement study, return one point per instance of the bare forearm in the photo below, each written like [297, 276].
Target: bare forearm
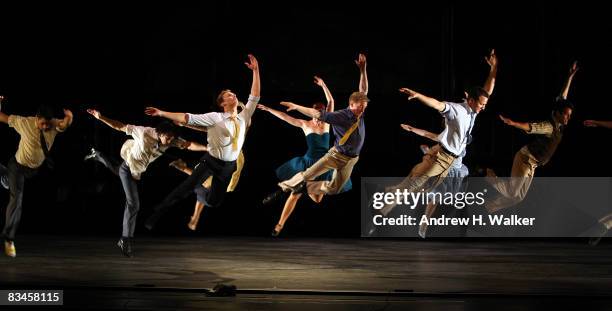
[311, 112]
[193, 146]
[363, 81]
[606, 124]
[329, 98]
[522, 126]
[285, 117]
[256, 85]
[430, 135]
[420, 132]
[179, 117]
[116, 125]
[566, 87]
[195, 127]
[490, 82]
[431, 102]
[3, 117]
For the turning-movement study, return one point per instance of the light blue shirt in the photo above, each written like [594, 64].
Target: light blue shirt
[459, 120]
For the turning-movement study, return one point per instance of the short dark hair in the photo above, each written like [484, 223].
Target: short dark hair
[477, 91]
[560, 104]
[45, 111]
[167, 128]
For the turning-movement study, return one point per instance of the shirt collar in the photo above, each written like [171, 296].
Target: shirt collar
[227, 115]
[469, 109]
[352, 114]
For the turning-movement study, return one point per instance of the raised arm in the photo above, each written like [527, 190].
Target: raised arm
[420, 132]
[110, 122]
[568, 82]
[363, 75]
[597, 123]
[64, 123]
[328, 95]
[283, 116]
[254, 66]
[311, 112]
[3, 116]
[492, 61]
[520, 125]
[177, 117]
[251, 105]
[428, 101]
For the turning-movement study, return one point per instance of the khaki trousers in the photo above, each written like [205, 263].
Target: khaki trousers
[425, 175]
[514, 189]
[340, 163]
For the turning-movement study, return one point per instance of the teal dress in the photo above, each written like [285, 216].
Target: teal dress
[318, 145]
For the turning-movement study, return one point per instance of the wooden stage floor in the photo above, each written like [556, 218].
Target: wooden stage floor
[173, 272]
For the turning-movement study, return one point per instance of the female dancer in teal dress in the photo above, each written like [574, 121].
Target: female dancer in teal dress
[317, 139]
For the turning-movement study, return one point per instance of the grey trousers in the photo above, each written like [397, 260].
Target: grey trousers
[17, 174]
[130, 188]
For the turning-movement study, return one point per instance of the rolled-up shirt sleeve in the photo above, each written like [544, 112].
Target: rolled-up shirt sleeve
[450, 110]
[251, 105]
[206, 119]
[135, 131]
[542, 128]
[17, 122]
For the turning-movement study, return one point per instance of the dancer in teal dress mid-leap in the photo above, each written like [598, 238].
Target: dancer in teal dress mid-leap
[317, 139]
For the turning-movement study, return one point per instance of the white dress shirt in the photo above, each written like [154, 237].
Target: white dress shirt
[221, 130]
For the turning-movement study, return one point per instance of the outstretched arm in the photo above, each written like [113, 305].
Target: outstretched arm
[568, 82]
[328, 95]
[420, 132]
[283, 116]
[492, 61]
[193, 146]
[195, 127]
[520, 125]
[363, 75]
[430, 102]
[64, 123]
[189, 145]
[311, 112]
[110, 122]
[177, 117]
[597, 123]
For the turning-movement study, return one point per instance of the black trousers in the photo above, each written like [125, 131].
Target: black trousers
[17, 174]
[209, 166]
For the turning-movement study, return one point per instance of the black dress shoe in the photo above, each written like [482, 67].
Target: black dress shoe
[277, 230]
[301, 187]
[125, 244]
[273, 197]
[151, 221]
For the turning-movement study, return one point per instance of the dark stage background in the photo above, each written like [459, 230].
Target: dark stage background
[120, 58]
